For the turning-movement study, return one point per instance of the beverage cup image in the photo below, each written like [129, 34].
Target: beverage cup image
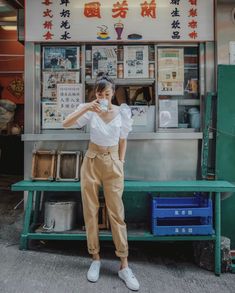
[104, 104]
[194, 85]
[119, 28]
[173, 74]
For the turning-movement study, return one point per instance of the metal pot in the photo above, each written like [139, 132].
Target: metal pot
[59, 216]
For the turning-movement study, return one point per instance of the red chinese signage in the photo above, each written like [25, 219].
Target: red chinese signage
[193, 23]
[48, 23]
[92, 9]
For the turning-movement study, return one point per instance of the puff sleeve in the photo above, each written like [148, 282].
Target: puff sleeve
[85, 118]
[127, 122]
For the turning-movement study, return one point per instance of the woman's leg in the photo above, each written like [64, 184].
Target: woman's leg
[113, 188]
[96, 256]
[113, 184]
[90, 183]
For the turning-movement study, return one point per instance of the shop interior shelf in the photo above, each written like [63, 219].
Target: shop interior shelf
[127, 81]
[177, 130]
[188, 102]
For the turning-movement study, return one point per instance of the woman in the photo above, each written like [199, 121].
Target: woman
[103, 166]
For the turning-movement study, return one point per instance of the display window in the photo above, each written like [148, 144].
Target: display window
[178, 88]
[133, 69]
[61, 87]
[148, 77]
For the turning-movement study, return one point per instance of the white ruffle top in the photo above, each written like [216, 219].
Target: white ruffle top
[107, 133]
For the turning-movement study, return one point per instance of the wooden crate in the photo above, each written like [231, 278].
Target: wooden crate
[68, 166]
[43, 165]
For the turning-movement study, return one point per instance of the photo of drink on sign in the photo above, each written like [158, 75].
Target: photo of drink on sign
[104, 59]
[170, 65]
[51, 117]
[52, 78]
[136, 62]
[171, 88]
[61, 58]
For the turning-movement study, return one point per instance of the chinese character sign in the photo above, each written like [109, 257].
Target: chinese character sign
[119, 20]
[176, 19]
[47, 16]
[69, 96]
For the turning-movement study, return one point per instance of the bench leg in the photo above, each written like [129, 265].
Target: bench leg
[36, 207]
[217, 234]
[27, 218]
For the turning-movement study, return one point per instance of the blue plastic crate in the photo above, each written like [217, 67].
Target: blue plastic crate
[182, 226]
[182, 230]
[196, 206]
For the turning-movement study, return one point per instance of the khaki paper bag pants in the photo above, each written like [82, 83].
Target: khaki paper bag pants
[102, 167]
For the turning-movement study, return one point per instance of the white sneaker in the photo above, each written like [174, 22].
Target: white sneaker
[129, 278]
[94, 271]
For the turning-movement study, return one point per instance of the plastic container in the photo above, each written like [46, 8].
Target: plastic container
[185, 228]
[182, 215]
[59, 216]
[196, 206]
[194, 117]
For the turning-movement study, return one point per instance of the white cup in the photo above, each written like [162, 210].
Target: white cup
[104, 104]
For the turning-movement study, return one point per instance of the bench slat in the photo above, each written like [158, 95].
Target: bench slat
[138, 186]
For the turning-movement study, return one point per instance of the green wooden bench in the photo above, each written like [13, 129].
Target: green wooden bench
[34, 189]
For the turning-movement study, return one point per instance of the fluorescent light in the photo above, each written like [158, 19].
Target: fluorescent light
[9, 27]
[9, 18]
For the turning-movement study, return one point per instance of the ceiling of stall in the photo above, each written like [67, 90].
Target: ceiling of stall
[226, 1]
[8, 13]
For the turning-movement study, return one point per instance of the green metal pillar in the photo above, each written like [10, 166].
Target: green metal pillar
[225, 145]
[26, 227]
[206, 133]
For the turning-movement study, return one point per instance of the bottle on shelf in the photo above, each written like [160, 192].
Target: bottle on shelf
[151, 53]
[120, 71]
[88, 55]
[151, 70]
[120, 54]
[88, 73]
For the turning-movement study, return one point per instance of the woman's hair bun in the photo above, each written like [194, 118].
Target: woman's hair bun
[102, 81]
[104, 76]
[101, 74]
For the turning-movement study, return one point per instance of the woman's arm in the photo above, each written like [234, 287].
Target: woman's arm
[122, 149]
[73, 117]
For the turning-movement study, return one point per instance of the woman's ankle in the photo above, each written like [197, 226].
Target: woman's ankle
[124, 263]
[123, 266]
[95, 257]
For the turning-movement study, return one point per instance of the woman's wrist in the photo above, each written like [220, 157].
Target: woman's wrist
[88, 107]
[122, 160]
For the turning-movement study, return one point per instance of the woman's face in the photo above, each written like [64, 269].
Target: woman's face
[107, 94]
